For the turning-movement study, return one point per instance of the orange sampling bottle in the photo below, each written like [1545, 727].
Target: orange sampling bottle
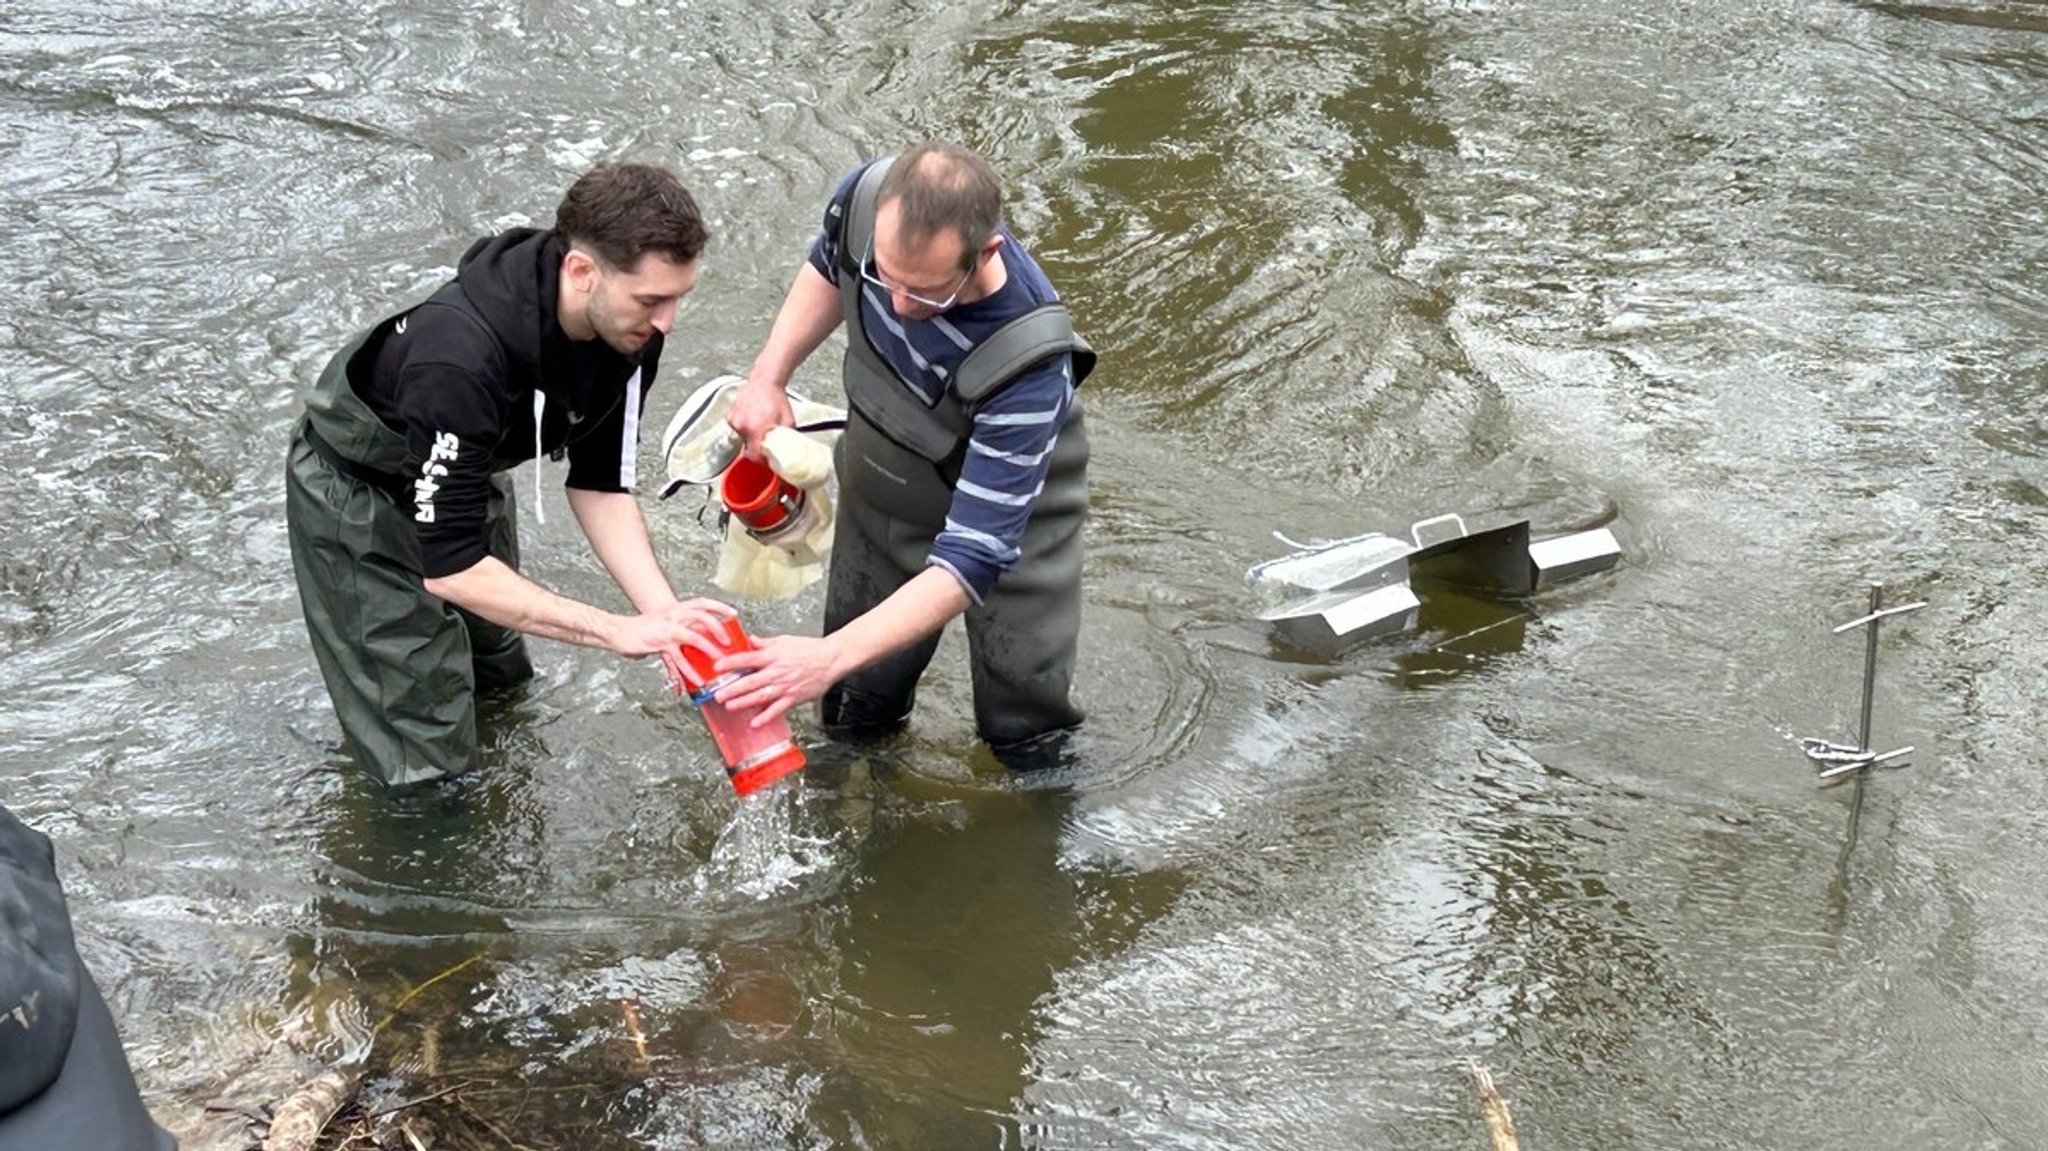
[754, 756]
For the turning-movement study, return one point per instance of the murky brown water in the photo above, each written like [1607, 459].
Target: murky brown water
[1772, 281]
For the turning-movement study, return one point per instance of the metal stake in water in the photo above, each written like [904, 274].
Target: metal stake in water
[1836, 761]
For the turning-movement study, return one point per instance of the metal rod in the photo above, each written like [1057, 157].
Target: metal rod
[1849, 839]
[1869, 666]
[1859, 621]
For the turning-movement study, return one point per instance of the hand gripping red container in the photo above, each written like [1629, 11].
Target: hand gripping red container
[754, 756]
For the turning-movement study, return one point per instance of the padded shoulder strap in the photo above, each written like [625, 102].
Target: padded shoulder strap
[1038, 334]
[857, 227]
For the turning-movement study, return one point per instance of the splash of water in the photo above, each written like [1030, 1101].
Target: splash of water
[761, 851]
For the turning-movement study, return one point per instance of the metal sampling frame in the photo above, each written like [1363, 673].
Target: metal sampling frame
[1836, 761]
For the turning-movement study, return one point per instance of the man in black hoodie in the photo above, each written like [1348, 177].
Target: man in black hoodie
[64, 1081]
[402, 525]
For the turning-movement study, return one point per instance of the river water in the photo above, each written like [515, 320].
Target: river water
[1769, 281]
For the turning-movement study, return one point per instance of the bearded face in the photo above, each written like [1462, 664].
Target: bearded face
[624, 308]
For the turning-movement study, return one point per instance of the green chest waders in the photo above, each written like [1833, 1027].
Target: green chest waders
[402, 667]
[898, 462]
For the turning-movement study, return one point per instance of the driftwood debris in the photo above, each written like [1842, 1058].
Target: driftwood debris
[305, 1113]
[302, 1118]
[343, 1084]
[629, 1010]
[1494, 1108]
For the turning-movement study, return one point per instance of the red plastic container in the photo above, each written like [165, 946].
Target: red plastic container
[754, 756]
[763, 500]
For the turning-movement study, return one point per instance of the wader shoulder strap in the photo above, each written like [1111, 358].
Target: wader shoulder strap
[340, 425]
[857, 226]
[1038, 334]
[1035, 335]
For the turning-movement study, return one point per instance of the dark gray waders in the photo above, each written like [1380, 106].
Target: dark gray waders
[897, 463]
[402, 666]
[1022, 638]
[93, 1102]
[64, 1080]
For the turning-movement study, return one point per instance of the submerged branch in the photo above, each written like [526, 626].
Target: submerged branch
[1494, 1108]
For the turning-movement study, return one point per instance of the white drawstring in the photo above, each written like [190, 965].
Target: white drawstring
[540, 403]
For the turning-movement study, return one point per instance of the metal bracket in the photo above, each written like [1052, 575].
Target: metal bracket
[1415, 529]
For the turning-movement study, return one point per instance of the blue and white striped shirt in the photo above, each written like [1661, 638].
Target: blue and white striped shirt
[1010, 448]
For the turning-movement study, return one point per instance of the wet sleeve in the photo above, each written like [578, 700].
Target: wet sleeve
[1009, 453]
[453, 422]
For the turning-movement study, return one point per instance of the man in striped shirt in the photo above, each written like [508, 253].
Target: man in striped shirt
[963, 468]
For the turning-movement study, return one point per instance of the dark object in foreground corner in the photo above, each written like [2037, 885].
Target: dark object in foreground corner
[64, 1080]
[1329, 595]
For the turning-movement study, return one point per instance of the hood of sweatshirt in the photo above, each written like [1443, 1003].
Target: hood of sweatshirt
[513, 279]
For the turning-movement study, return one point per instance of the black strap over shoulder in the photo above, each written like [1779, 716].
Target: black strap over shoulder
[857, 226]
[1038, 334]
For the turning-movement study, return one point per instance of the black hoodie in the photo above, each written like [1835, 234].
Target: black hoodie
[457, 376]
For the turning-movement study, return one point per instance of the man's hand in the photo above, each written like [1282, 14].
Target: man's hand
[783, 672]
[760, 405]
[787, 670]
[664, 627]
[667, 630]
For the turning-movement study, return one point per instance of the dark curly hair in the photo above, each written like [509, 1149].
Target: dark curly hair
[621, 212]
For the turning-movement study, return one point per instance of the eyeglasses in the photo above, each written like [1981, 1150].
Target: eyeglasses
[873, 275]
